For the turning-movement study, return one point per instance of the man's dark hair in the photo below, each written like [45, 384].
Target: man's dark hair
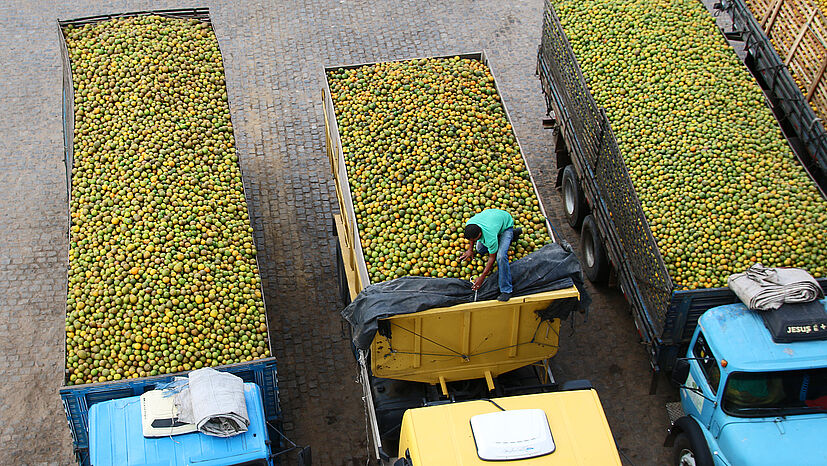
[472, 231]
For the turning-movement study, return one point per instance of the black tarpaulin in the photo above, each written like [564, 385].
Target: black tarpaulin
[552, 267]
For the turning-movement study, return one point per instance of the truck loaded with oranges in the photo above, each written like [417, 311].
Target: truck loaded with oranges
[162, 275]
[670, 163]
[417, 147]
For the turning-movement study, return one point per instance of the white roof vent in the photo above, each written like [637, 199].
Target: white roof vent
[512, 435]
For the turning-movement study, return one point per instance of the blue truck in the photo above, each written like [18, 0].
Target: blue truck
[116, 437]
[753, 393]
[600, 200]
[86, 419]
[106, 424]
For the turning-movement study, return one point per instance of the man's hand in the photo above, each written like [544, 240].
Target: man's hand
[467, 255]
[478, 282]
[488, 265]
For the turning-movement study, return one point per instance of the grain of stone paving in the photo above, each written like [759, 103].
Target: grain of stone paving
[274, 53]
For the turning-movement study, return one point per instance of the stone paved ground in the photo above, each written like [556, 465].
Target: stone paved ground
[274, 52]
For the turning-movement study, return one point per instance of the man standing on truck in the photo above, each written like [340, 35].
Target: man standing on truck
[493, 231]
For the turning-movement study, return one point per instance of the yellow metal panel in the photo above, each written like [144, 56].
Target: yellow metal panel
[353, 283]
[417, 359]
[348, 228]
[467, 340]
[515, 331]
[442, 434]
[489, 381]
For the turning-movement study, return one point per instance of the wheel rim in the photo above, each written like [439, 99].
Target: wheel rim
[686, 458]
[588, 250]
[568, 197]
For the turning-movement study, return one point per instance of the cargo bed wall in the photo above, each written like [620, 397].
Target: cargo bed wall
[468, 341]
[351, 246]
[605, 179]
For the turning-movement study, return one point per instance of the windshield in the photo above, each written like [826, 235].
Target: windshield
[782, 393]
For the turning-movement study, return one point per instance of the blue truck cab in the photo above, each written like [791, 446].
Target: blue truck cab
[122, 426]
[748, 399]
[116, 437]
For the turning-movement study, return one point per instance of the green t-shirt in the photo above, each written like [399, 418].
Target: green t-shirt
[492, 222]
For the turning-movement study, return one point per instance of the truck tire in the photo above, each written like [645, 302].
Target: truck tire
[344, 291]
[574, 203]
[595, 261]
[687, 451]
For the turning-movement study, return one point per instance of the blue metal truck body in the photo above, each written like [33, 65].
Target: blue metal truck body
[116, 437]
[755, 401]
[78, 399]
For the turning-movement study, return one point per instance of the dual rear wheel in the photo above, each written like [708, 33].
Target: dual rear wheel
[595, 261]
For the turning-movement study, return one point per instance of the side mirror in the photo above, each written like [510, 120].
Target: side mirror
[680, 372]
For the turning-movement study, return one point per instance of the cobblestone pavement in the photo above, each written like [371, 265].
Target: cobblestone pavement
[274, 52]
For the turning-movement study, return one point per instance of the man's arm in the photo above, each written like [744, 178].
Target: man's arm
[488, 266]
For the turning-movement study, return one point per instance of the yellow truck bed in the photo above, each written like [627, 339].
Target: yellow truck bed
[439, 435]
[468, 341]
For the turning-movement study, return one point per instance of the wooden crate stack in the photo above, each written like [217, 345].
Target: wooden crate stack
[798, 30]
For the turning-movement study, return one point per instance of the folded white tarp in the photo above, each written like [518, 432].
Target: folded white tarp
[767, 288]
[214, 402]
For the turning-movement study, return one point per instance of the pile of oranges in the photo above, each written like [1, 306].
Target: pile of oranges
[427, 145]
[162, 266]
[718, 182]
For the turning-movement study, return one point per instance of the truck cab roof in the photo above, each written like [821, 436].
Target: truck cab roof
[116, 437]
[444, 434]
[738, 335]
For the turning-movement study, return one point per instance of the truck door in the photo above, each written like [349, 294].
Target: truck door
[705, 375]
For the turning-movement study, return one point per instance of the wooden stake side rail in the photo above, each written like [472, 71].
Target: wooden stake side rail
[787, 55]
[798, 31]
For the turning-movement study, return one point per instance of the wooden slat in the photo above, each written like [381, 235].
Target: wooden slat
[758, 5]
[817, 79]
[798, 31]
[780, 26]
[769, 20]
[765, 12]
